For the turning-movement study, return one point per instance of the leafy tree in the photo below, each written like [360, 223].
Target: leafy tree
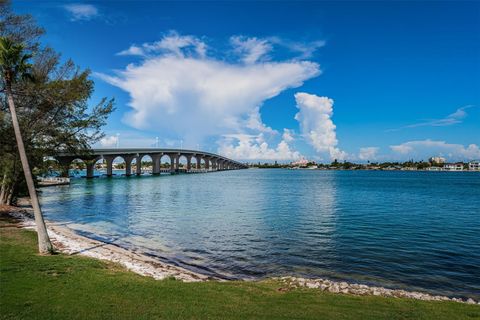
[422, 165]
[52, 111]
[19, 28]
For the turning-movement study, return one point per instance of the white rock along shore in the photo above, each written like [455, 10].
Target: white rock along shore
[67, 241]
[363, 290]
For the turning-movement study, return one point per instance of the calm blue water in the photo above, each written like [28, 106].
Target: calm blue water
[415, 230]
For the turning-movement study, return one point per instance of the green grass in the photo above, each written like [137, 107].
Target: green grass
[74, 287]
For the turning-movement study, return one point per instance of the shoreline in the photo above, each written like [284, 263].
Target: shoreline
[66, 241]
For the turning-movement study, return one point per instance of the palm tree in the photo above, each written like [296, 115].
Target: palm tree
[13, 67]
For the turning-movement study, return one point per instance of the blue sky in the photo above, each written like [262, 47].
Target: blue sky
[281, 80]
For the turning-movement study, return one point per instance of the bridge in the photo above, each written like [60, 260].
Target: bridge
[212, 162]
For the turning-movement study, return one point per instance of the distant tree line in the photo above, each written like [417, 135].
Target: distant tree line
[347, 165]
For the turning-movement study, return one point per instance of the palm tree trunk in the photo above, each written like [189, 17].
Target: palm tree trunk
[3, 188]
[44, 244]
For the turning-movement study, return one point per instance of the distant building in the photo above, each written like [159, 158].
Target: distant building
[453, 166]
[474, 165]
[434, 169]
[300, 163]
[436, 160]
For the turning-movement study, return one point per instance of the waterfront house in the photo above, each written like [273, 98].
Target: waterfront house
[474, 165]
[434, 169]
[453, 166]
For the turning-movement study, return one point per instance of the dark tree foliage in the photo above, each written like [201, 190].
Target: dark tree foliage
[54, 109]
[19, 28]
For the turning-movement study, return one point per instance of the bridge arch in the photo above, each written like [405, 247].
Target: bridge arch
[165, 160]
[184, 161]
[116, 165]
[193, 163]
[140, 161]
[203, 162]
[76, 167]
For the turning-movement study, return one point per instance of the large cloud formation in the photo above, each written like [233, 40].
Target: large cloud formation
[316, 125]
[423, 149]
[254, 147]
[178, 90]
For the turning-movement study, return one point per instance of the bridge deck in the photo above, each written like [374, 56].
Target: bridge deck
[212, 161]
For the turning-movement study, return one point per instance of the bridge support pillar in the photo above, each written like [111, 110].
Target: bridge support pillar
[155, 163]
[207, 163]
[138, 161]
[172, 163]
[128, 165]
[177, 163]
[199, 162]
[109, 160]
[90, 168]
[189, 163]
[64, 171]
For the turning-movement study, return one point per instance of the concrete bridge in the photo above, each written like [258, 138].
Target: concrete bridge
[212, 162]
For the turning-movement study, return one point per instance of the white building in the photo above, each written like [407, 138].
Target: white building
[300, 163]
[474, 165]
[453, 166]
[436, 160]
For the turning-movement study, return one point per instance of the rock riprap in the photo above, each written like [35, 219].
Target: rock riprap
[363, 290]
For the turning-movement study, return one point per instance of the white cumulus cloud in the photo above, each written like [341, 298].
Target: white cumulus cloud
[171, 44]
[368, 153]
[179, 91]
[254, 147]
[423, 149]
[81, 11]
[316, 125]
[109, 141]
[288, 135]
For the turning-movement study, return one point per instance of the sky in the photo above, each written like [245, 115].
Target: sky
[265, 81]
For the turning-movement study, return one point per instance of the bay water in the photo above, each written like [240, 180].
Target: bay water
[408, 230]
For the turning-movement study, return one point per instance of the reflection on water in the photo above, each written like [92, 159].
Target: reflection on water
[398, 229]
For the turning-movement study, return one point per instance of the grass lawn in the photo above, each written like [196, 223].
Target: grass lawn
[74, 287]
